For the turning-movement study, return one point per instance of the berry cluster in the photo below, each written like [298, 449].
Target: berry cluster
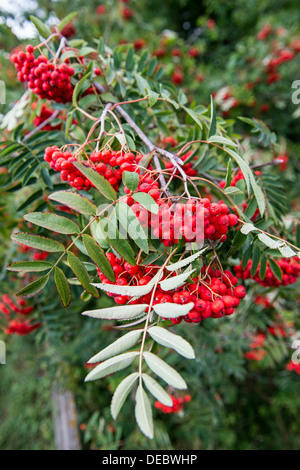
[108, 163]
[18, 325]
[292, 366]
[257, 345]
[43, 116]
[214, 294]
[177, 406]
[197, 219]
[290, 272]
[47, 80]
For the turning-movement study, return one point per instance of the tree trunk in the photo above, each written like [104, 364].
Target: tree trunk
[65, 419]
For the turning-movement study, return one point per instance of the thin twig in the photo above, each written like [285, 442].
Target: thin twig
[42, 125]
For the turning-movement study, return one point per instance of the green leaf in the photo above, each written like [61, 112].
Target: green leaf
[119, 244]
[124, 312]
[164, 371]
[129, 63]
[182, 98]
[29, 266]
[81, 273]
[146, 201]
[96, 253]
[50, 221]
[122, 344]
[44, 31]
[275, 268]
[157, 391]
[34, 287]
[62, 286]
[131, 180]
[185, 261]
[143, 412]
[218, 139]
[75, 201]
[97, 180]
[247, 228]
[78, 88]
[263, 267]
[168, 339]
[121, 393]
[232, 191]
[255, 260]
[269, 242]
[131, 224]
[114, 364]
[171, 310]
[213, 119]
[67, 19]
[176, 281]
[84, 51]
[37, 242]
[286, 251]
[228, 174]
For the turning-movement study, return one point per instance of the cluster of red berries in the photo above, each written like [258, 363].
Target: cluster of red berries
[43, 116]
[46, 79]
[257, 345]
[197, 219]
[238, 177]
[214, 294]
[293, 366]
[18, 325]
[177, 405]
[108, 163]
[282, 161]
[290, 268]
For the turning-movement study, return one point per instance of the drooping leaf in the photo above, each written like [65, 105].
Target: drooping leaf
[44, 31]
[96, 253]
[75, 201]
[29, 266]
[62, 286]
[157, 391]
[146, 201]
[122, 344]
[176, 281]
[143, 412]
[111, 365]
[34, 287]
[98, 180]
[170, 340]
[275, 268]
[131, 224]
[171, 310]
[81, 273]
[54, 222]
[115, 239]
[37, 242]
[164, 371]
[131, 180]
[121, 393]
[213, 119]
[124, 312]
[185, 261]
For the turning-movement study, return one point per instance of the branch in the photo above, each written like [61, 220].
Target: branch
[40, 126]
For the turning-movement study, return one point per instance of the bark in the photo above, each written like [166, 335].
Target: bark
[65, 420]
